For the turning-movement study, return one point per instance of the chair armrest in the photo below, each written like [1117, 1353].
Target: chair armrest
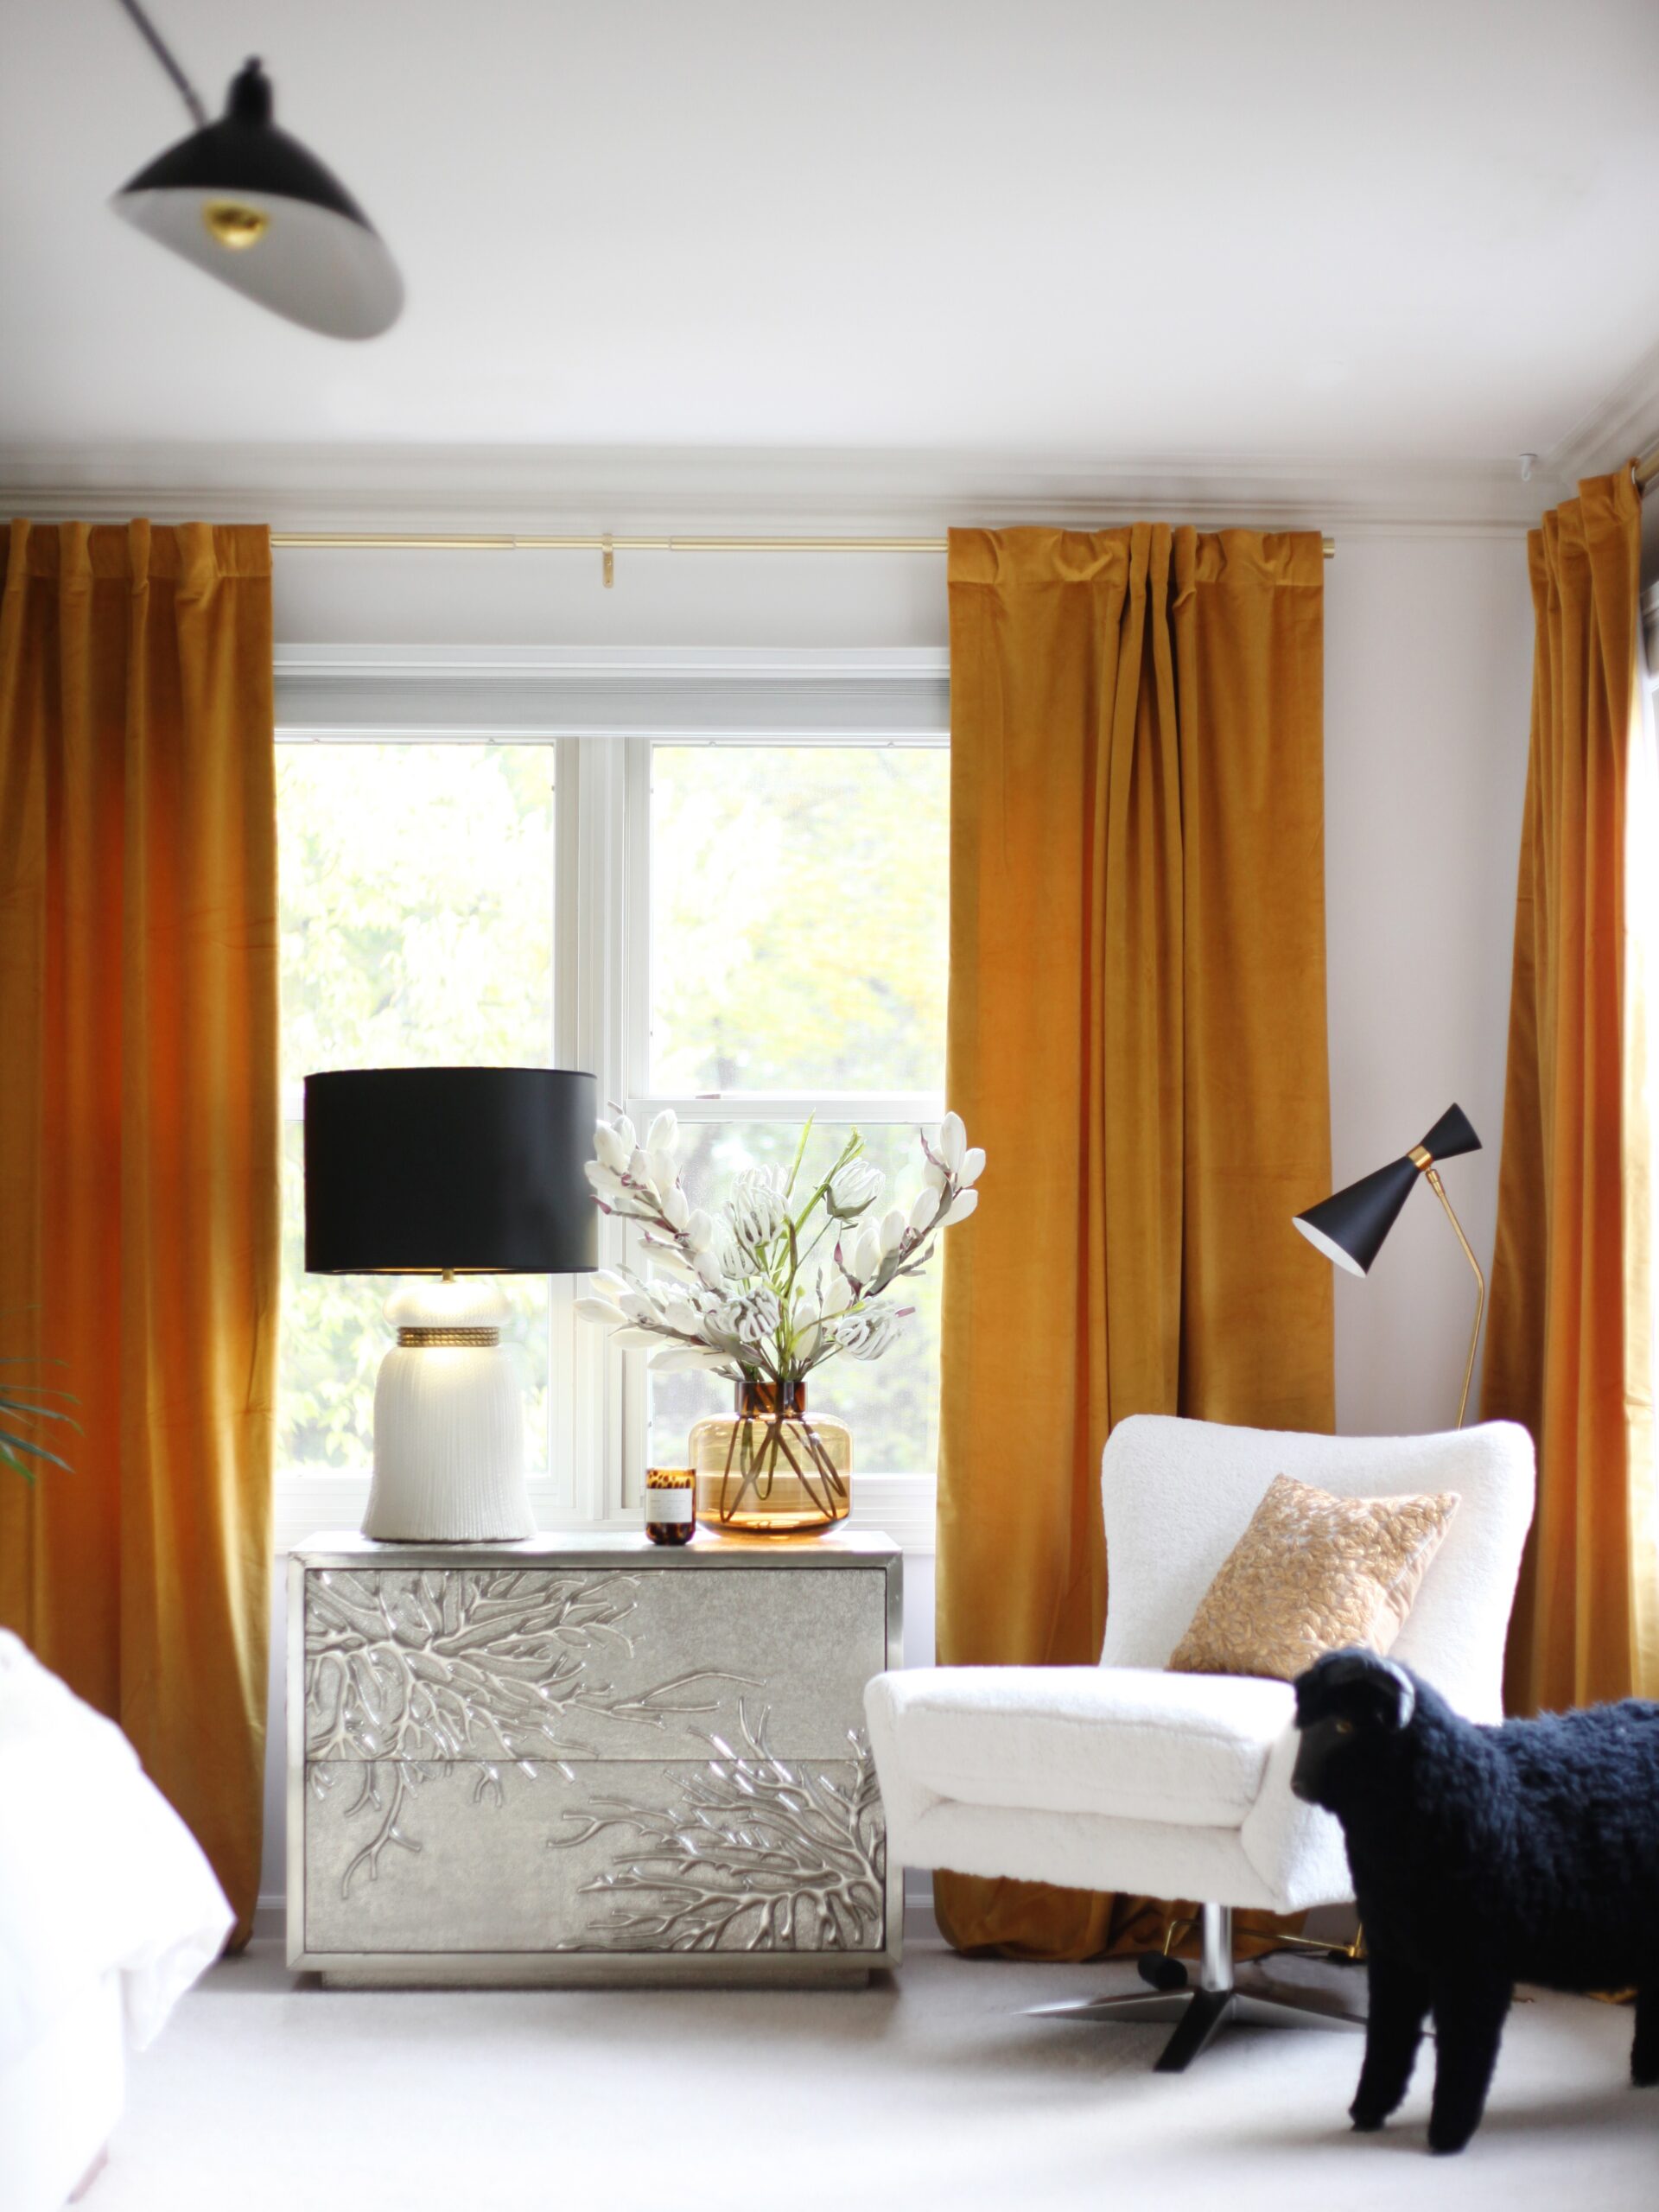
[1297, 1849]
[904, 1799]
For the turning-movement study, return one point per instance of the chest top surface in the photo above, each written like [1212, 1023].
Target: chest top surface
[606, 1547]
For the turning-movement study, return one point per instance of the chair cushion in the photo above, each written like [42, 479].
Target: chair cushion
[1311, 1574]
[1127, 1742]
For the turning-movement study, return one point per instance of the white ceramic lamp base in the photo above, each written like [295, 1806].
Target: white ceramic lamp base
[448, 1421]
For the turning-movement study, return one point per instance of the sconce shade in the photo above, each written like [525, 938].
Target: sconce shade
[250, 205]
[1451, 1137]
[1351, 1227]
[471, 1171]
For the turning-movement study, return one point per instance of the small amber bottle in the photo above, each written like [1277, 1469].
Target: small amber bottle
[670, 1504]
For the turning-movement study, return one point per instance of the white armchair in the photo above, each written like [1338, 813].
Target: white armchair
[1122, 1776]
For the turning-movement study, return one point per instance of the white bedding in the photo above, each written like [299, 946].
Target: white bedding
[98, 1875]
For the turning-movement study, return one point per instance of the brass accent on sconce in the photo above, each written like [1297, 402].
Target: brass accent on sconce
[233, 224]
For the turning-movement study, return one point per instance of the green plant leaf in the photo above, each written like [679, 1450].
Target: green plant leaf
[11, 1444]
[9, 1404]
[800, 1155]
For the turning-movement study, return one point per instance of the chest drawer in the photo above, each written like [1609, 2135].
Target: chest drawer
[583, 1763]
[532, 1664]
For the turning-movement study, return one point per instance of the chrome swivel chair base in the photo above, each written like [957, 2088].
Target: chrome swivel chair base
[1200, 2014]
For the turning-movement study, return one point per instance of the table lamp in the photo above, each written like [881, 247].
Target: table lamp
[1349, 1227]
[451, 1177]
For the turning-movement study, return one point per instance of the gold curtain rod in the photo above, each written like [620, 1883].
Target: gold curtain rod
[466, 542]
[1646, 468]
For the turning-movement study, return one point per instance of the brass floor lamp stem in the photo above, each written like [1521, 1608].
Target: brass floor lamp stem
[1432, 1178]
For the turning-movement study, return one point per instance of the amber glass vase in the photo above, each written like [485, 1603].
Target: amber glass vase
[767, 1471]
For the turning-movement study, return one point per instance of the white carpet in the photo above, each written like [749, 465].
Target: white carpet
[931, 2090]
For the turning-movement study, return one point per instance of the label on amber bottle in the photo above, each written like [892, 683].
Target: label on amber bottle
[668, 1505]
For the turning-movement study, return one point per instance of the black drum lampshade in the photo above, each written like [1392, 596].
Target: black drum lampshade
[462, 1171]
[1350, 1228]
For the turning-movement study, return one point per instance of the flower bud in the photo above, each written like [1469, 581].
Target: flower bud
[852, 1188]
[953, 1142]
[609, 1148]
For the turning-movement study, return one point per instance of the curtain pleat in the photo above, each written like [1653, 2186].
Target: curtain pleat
[1137, 1036]
[1568, 1345]
[139, 1138]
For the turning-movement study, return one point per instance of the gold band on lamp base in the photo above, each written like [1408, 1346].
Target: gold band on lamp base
[1431, 1176]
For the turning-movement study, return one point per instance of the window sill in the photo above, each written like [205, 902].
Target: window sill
[899, 1506]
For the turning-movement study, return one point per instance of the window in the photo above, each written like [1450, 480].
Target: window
[797, 946]
[417, 918]
[749, 931]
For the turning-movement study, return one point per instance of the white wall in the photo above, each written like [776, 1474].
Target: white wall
[1428, 669]
[1429, 659]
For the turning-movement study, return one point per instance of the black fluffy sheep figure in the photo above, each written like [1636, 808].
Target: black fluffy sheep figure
[1482, 1856]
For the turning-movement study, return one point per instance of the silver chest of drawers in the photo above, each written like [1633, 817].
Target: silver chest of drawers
[588, 1760]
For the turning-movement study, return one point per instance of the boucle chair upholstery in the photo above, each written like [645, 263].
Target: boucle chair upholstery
[1122, 1776]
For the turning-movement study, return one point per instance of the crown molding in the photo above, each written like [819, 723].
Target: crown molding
[1615, 430]
[637, 490]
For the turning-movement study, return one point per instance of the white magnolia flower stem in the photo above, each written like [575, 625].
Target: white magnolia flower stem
[736, 1278]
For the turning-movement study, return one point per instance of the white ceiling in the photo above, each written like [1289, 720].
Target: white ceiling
[1378, 229]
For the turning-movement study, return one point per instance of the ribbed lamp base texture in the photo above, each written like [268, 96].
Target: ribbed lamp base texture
[449, 1424]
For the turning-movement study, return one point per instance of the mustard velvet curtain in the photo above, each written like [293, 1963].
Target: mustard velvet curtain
[1137, 1036]
[139, 1137]
[1568, 1339]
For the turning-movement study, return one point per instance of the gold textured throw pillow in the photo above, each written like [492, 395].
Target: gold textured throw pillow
[1311, 1574]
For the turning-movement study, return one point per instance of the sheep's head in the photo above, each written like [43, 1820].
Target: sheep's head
[1350, 1705]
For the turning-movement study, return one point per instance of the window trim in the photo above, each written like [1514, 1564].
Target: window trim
[601, 711]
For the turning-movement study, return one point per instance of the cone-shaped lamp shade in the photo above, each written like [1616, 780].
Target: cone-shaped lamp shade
[250, 206]
[1451, 1136]
[412, 1171]
[1350, 1228]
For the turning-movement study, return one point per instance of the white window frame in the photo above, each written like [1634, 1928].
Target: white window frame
[602, 713]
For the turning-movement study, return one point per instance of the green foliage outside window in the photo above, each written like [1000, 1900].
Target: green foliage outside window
[416, 888]
[798, 914]
[799, 942]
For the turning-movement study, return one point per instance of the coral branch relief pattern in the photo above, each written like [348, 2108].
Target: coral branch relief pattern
[756, 1853]
[407, 1673]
